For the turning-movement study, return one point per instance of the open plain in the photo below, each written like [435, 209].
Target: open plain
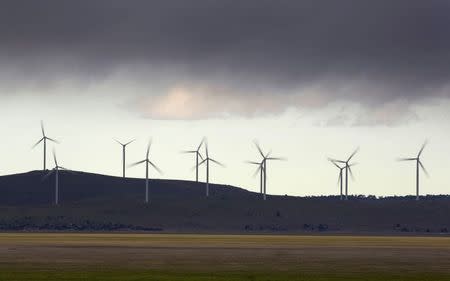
[125, 256]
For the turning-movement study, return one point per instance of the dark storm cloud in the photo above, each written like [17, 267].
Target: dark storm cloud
[371, 52]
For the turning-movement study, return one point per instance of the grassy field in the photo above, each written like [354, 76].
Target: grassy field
[65, 256]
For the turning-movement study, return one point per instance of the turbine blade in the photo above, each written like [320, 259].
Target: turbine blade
[423, 168]
[37, 143]
[54, 158]
[217, 162]
[334, 163]
[253, 162]
[155, 167]
[206, 149]
[259, 148]
[129, 142]
[422, 148]
[136, 163]
[201, 143]
[53, 140]
[277, 158]
[351, 173]
[256, 172]
[188, 151]
[148, 147]
[119, 142]
[201, 157]
[199, 164]
[339, 178]
[47, 175]
[335, 160]
[42, 128]
[204, 160]
[406, 159]
[353, 154]
[67, 170]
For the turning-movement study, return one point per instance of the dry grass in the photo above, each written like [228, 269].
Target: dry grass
[249, 255]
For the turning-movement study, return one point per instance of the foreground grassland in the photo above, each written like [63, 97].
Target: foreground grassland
[129, 257]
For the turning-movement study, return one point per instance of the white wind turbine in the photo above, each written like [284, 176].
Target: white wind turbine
[340, 177]
[44, 140]
[348, 169]
[418, 163]
[147, 162]
[206, 161]
[197, 156]
[260, 169]
[124, 145]
[56, 171]
[264, 166]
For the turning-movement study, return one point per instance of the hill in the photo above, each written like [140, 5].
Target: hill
[92, 202]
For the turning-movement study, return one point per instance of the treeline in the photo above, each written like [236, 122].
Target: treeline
[405, 228]
[64, 224]
[373, 197]
[279, 228]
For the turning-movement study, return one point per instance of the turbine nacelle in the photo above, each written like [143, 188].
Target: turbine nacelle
[417, 159]
[56, 168]
[207, 159]
[197, 151]
[125, 144]
[44, 137]
[147, 160]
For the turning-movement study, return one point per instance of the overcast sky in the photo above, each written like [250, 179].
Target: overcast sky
[308, 79]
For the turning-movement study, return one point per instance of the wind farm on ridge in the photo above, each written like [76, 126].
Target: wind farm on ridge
[344, 166]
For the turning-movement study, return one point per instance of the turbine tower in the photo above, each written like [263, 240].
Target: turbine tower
[265, 157]
[260, 169]
[44, 140]
[418, 163]
[124, 145]
[147, 162]
[197, 156]
[340, 177]
[56, 170]
[206, 161]
[348, 169]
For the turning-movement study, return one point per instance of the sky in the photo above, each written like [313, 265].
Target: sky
[307, 79]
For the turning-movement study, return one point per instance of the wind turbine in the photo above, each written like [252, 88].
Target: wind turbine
[123, 154]
[147, 162]
[197, 155]
[56, 170]
[260, 169]
[206, 161]
[418, 163]
[264, 166]
[340, 176]
[347, 169]
[44, 139]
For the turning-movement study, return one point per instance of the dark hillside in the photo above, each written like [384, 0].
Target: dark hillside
[105, 203]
